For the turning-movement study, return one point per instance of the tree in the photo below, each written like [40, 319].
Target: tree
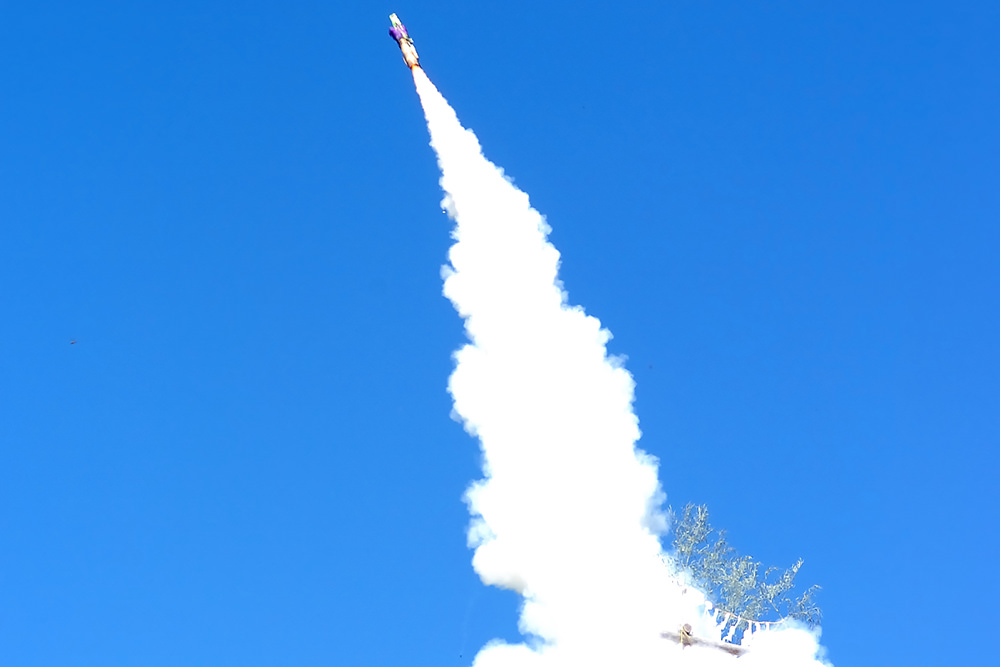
[733, 582]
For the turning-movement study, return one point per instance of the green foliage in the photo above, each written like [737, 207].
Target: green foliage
[735, 583]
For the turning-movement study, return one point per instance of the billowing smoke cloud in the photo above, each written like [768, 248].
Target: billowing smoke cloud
[569, 512]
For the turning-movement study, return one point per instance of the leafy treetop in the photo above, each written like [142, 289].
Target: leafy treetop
[733, 582]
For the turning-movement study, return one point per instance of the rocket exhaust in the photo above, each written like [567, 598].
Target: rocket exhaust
[568, 512]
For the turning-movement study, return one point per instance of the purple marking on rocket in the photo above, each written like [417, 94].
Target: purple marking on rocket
[398, 33]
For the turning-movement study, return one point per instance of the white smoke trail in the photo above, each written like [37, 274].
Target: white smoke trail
[568, 514]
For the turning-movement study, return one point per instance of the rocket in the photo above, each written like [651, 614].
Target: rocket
[398, 33]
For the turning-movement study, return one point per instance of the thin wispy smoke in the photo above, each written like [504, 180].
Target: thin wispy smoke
[568, 513]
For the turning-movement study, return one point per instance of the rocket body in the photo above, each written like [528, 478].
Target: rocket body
[405, 42]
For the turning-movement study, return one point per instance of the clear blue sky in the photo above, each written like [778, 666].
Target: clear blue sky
[786, 215]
